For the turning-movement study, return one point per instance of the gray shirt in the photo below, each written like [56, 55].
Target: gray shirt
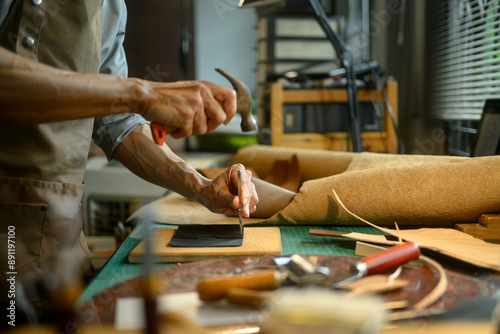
[109, 131]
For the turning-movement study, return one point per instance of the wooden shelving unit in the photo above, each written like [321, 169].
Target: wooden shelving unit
[374, 141]
[291, 42]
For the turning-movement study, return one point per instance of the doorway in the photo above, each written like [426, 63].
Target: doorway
[159, 40]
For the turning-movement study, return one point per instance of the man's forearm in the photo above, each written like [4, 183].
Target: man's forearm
[32, 93]
[158, 164]
[60, 95]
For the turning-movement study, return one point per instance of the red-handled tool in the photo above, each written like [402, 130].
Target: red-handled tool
[379, 262]
[159, 133]
[244, 104]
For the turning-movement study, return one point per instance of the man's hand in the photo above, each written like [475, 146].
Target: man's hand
[188, 108]
[221, 195]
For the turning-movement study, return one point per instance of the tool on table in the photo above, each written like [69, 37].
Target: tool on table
[244, 105]
[297, 270]
[216, 288]
[377, 263]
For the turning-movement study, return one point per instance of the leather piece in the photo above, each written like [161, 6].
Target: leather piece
[207, 236]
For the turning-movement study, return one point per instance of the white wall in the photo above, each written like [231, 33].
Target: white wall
[225, 37]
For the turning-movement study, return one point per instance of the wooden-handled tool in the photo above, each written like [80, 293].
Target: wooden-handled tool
[215, 288]
[244, 105]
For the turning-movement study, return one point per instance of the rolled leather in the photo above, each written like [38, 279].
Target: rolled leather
[412, 190]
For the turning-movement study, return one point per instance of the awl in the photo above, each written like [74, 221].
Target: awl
[240, 208]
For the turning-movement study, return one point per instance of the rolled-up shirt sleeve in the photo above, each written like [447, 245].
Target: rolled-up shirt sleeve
[110, 131]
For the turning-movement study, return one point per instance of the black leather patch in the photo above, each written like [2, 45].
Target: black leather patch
[207, 236]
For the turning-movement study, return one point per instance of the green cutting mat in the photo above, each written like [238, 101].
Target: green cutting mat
[294, 240]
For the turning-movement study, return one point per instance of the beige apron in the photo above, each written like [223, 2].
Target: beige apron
[42, 166]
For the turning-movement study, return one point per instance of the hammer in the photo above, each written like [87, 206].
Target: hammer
[244, 104]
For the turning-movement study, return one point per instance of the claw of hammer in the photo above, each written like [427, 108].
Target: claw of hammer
[244, 101]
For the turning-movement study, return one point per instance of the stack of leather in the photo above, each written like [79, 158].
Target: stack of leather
[487, 228]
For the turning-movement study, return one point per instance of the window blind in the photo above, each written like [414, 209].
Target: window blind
[463, 57]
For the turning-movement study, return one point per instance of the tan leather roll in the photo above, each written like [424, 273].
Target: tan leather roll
[409, 190]
[412, 190]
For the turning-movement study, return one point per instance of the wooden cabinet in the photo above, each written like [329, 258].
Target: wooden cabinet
[374, 141]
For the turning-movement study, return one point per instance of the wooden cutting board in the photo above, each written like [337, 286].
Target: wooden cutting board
[256, 242]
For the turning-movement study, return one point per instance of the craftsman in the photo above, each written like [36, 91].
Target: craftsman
[49, 96]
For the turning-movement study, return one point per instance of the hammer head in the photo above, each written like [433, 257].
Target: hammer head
[244, 101]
